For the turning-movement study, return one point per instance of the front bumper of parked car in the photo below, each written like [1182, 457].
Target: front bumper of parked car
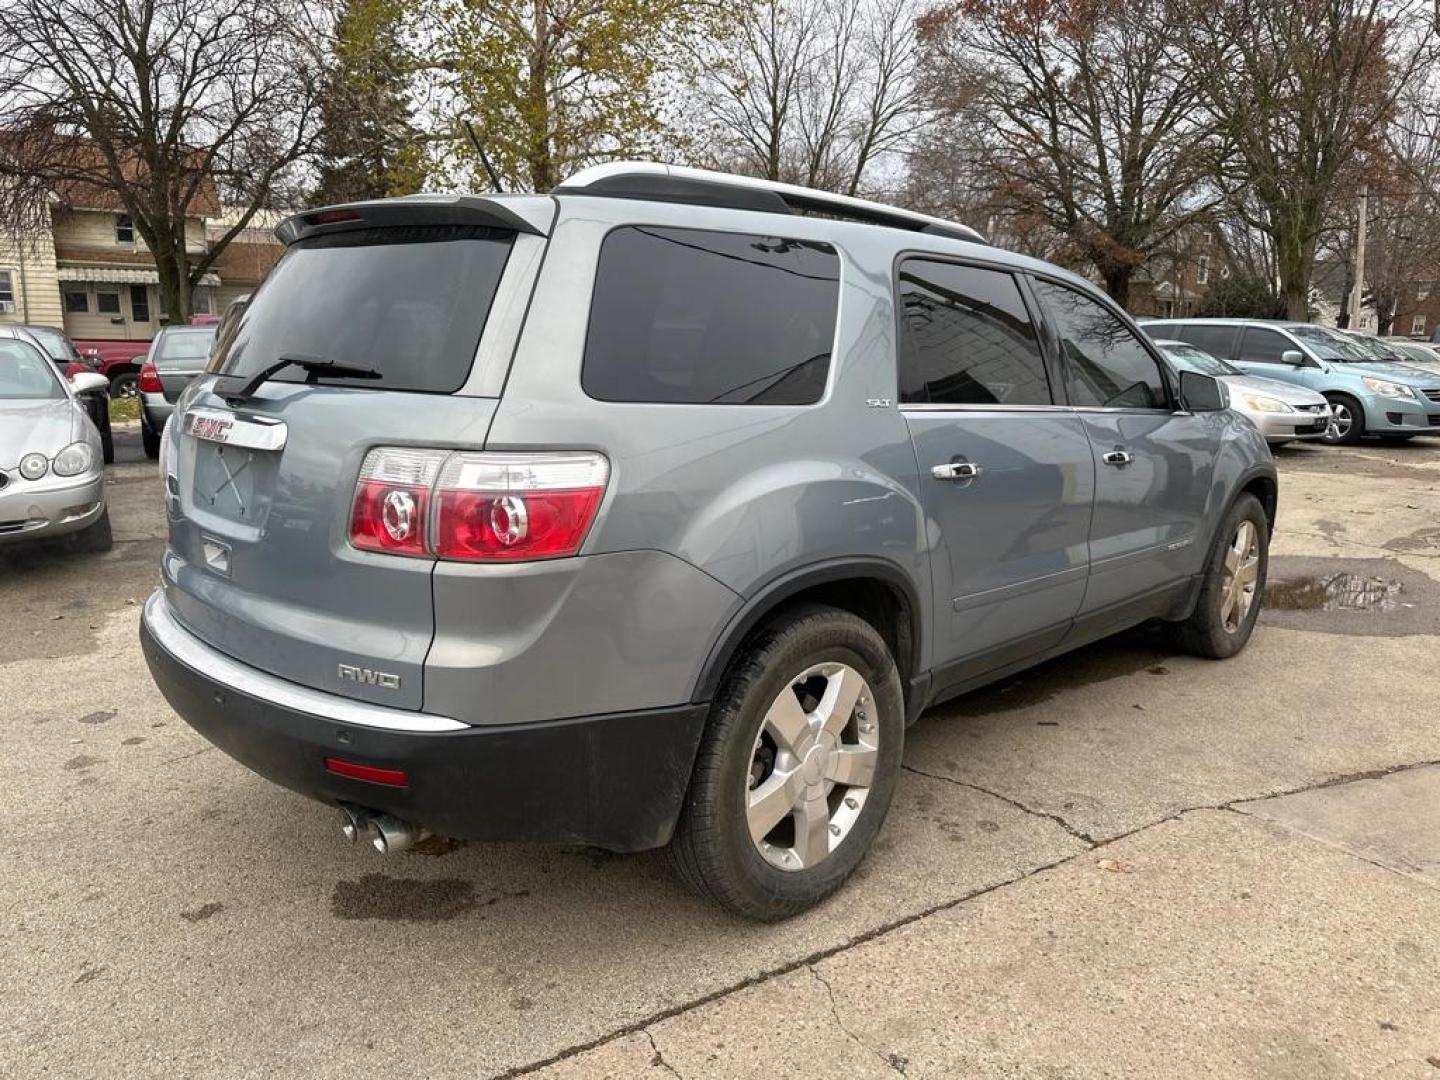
[51, 506]
[1402, 416]
[614, 781]
[1286, 427]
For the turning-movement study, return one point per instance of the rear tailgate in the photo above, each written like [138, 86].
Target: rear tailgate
[179, 355]
[260, 487]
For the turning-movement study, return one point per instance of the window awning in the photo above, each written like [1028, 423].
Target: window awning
[116, 275]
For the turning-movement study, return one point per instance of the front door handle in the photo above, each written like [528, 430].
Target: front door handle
[1118, 457]
[955, 470]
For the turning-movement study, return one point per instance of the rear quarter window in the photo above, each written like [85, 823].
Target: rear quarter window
[686, 316]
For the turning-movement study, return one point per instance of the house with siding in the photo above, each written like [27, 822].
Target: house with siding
[84, 268]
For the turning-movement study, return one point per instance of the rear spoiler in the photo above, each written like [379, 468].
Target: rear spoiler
[418, 210]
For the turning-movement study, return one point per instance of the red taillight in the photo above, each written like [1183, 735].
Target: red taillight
[369, 773]
[333, 217]
[517, 507]
[391, 510]
[485, 507]
[150, 379]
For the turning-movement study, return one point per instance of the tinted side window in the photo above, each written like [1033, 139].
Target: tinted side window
[967, 338]
[1216, 340]
[685, 316]
[1105, 363]
[1261, 346]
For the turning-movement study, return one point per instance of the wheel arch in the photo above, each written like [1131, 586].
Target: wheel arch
[873, 589]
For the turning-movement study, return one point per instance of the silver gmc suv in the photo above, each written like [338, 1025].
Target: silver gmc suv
[652, 510]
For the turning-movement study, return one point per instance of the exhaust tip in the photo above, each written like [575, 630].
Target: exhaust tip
[355, 823]
[390, 834]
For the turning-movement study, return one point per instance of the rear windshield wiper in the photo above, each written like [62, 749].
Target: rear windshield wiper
[315, 368]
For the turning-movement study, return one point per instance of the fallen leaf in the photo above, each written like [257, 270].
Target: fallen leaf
[1113, 867]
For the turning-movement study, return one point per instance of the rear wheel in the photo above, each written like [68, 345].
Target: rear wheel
[95, 537]
[796, 767]
[1347, 420]
[1233, 588]
[125, 385]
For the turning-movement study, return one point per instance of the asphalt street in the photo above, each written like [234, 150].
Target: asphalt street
[1126, 863]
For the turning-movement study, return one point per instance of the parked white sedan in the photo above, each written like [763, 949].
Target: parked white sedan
[52, 478]
[1283, 412]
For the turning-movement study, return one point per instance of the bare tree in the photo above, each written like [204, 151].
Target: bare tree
[153, 103]
[813, 93]
[1087, 122]
[1301, 92]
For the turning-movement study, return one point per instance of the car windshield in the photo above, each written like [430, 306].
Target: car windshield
[1333, 345]
[26, 374]
[184, 348]
[1414, 353]
[54, 342]
[1189, 358]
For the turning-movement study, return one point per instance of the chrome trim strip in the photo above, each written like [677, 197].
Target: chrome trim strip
[925, 406]
[189, 650]
[1019, 588]
[229, 429]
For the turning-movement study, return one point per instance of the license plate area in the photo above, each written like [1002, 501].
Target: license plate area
[234, 483]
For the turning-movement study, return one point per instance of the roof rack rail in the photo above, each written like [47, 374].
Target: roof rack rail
[701, 187]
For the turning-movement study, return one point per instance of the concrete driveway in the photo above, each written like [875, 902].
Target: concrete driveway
[1126, 863]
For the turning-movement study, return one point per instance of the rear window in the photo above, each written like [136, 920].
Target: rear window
[56, 344]
[683, 316]
[409, 303]
[184, 348]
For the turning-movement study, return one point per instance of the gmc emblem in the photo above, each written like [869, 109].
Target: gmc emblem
[211, 428]
[369, 677]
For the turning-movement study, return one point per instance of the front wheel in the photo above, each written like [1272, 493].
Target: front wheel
[95, 537]
[150, 441]
[125, 385]
[1233, 588]
[796, 768]
[1347, 420]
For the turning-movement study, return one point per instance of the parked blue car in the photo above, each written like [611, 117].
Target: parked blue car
[1368, 395]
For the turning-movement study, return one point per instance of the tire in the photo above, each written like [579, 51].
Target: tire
[713, 850]
[1214, 629]
[95, 537]
[150, 441]
[1351, 431]
[125, 385]
[107, 446]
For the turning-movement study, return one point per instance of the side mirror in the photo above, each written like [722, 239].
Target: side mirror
[1293, 357]
[1201, 393]
[89, 382]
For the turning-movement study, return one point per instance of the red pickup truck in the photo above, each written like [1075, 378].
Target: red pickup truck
[119, 362]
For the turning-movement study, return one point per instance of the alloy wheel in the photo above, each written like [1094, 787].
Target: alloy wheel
[812, 766]
[1340, 422]
[1242, 572]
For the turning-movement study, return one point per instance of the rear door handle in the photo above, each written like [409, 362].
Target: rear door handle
[955, 470]
[1118, 457]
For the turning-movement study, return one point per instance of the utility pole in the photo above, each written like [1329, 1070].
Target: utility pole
[1355, 297]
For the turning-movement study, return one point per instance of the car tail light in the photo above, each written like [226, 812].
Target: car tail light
[392, 500]
[477, 507]
[150, 379]
[515, 507]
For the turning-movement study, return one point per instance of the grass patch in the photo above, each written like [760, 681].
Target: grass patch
[124, 409]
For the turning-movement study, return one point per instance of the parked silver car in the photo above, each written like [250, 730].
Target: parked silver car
[176, 356]
[1282, 412]
[52, 480]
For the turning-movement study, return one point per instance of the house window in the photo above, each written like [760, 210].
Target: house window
[124, 229]
[107, 302]
[1203, 277]
[77, 300]
[1417, 325]
[200, 301]
[7, 291]
[139, 303]
[1422, 294]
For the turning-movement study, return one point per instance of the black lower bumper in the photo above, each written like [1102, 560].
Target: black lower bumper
[614, 781]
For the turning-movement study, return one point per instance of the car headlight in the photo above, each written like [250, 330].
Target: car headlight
[1260, 403]
[74, 459]
[34, 466]
[1387, 389]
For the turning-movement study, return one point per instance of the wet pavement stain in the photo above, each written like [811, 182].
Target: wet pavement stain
[1337, 592]
[98, 717]
[82, 761]
[1364, 597]
[1421, 541]
[379, 896]
[133, 740]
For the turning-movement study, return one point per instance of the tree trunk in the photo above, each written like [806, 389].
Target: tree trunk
[537, 99]
[1117, 283]
[1295, 259]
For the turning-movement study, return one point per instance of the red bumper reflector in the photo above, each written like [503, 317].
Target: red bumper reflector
[369, 773]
